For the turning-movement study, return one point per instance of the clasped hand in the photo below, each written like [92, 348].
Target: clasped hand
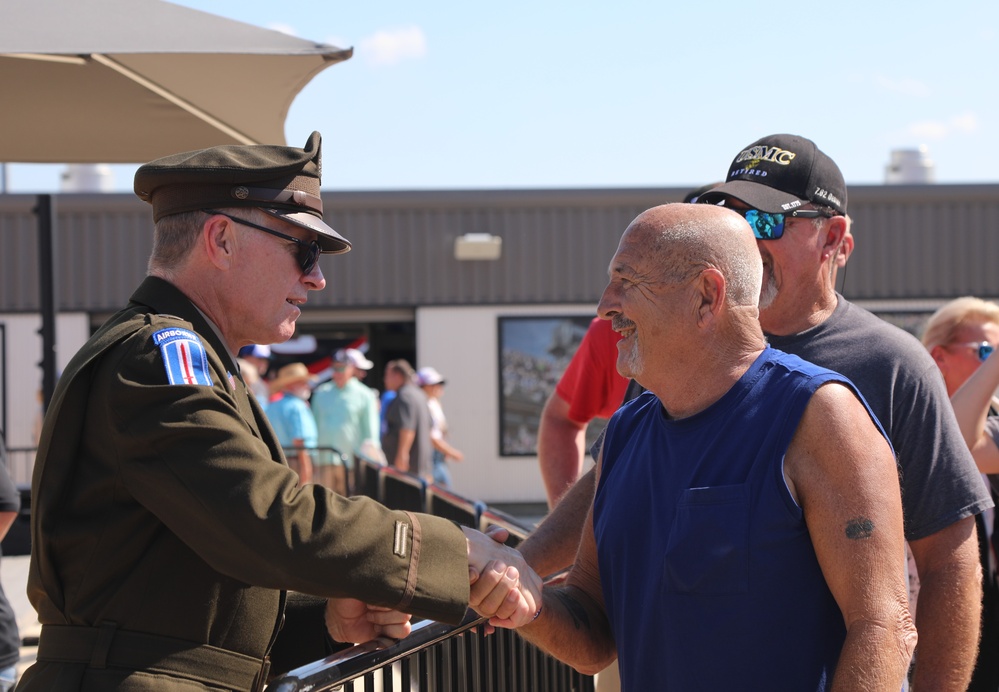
[503, 587]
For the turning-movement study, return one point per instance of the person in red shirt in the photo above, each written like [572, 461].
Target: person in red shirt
[589, 388]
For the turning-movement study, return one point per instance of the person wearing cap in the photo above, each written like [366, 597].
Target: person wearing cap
[346, 413]
[432, 384]
[292, 419]
[254, 361]
[172, 546]
[795, 200]
[746, 531]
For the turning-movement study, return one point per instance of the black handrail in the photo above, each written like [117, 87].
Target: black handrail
[357, 661]
[466, 661]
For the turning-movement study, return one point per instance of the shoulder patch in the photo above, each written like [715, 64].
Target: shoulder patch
[184, 356]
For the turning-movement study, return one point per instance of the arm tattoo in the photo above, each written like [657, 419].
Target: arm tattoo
[859, 528]
[580, 618]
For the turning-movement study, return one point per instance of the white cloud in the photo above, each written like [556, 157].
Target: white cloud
[392, 46]
[908, 87]
[965, 123]
[928, 129]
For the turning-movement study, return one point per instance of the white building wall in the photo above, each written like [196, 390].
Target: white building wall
[23, 375]
[462, 343]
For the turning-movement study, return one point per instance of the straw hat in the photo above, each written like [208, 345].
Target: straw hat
[289, 375]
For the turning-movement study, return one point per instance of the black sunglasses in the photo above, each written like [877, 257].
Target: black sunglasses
[768, 226]
[307, 254]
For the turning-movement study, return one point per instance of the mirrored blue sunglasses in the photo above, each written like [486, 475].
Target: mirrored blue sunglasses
[768, 226]
[984, 348]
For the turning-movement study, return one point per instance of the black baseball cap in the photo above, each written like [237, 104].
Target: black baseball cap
[780, 173]
[279, 180]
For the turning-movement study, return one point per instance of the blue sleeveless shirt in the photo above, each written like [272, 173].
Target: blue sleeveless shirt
[709, 576]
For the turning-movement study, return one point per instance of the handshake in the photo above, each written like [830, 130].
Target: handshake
[504, 588]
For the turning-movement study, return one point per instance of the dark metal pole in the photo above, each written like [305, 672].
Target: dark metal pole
[3, 385]
[45, 210]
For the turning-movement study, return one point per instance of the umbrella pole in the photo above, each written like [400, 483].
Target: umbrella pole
[45, 210]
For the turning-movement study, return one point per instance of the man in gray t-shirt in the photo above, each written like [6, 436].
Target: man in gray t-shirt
[406, 437]
[794, 197]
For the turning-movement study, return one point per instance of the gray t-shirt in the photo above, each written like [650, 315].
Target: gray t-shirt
[992, 430]
[409, 411]
[902, 384]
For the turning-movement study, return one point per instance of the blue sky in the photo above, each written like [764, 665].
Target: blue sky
[443, 95]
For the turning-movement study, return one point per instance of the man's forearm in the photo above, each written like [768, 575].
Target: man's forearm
[305, 464]
[552, 546]
[406, 438]
[876, 655]
[560, 449]
[948, 611]
[572, 629]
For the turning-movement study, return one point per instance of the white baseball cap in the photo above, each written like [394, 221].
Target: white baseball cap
[428, 376]
[354, 357]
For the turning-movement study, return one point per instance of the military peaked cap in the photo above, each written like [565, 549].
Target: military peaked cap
[281, 181]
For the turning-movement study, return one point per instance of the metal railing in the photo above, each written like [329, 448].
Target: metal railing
[437, 657]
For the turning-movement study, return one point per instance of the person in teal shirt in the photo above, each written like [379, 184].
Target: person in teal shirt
[292, 419]
[346, 412]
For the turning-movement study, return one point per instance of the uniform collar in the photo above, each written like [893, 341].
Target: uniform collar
[164, 298]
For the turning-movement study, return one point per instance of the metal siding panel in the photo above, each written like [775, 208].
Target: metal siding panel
[18, 262]
[932, 242]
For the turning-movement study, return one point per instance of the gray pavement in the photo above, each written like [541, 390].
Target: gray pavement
[14, 577]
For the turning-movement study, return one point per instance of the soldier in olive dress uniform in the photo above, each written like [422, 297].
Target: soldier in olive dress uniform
[167, 528]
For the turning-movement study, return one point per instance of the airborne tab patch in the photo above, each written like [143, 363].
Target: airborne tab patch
[184, 356]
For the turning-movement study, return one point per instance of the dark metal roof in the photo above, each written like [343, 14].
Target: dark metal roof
[922, 243]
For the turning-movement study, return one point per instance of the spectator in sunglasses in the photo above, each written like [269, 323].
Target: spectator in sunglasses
[795, 198]
[961, 336]
[172, 545]
[746, 486]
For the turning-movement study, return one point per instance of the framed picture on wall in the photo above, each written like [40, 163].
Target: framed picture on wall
[534, 351]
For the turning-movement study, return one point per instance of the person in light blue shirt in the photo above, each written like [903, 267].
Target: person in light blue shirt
[347, 418]
[292, 419]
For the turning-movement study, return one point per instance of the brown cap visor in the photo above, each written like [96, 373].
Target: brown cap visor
[331, 242]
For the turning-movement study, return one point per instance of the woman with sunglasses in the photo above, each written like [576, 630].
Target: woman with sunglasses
[961, 337]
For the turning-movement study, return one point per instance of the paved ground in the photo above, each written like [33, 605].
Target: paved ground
[14, 577]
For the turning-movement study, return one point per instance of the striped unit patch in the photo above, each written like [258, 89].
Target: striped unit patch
[184, 356]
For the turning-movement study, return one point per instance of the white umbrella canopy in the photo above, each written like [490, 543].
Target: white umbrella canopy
[127, 81]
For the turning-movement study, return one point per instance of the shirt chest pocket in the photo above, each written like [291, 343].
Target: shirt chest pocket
[708, 547]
